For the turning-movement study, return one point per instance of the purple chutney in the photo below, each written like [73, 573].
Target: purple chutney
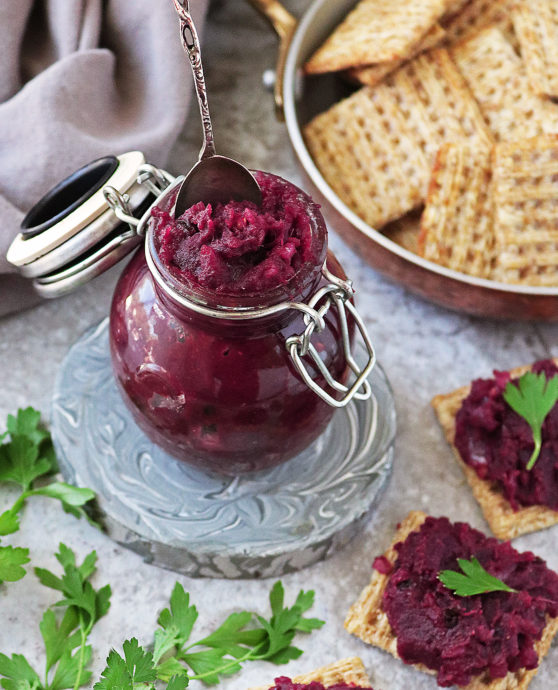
[287, 684]
[464, 637]
[497, 442]
[238, 247]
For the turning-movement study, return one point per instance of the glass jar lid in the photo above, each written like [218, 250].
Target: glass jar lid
[86, 223]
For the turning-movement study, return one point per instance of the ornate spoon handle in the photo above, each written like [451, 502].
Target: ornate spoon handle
[191, 44]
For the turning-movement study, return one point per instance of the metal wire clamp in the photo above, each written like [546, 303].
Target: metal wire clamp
[337, 293]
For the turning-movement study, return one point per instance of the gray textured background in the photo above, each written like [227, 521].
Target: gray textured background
[424, 349]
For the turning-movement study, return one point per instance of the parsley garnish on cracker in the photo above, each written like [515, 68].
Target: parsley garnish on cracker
[474, 579]
[533, 398]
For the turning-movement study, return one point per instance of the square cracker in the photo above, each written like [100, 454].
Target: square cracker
[405, 231]
[536, 25]
[526, 211]
[457, 229]
[371, 75]
[504, 522]
[376, 31]
[367, 620]
[348, 670]
[475, 16]
[375, 148]
[498, 80]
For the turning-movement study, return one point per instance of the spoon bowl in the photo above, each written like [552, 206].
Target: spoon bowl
[217, 180]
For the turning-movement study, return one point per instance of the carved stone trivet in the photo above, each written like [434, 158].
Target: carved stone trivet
[260, 525]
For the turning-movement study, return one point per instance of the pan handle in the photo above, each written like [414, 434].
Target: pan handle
[284, 24]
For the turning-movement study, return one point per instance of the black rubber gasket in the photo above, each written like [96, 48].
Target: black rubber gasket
[68, 195]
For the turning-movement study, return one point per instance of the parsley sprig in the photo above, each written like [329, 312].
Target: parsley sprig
[475, 580]
[242, 637]
[533, 398]
[65, 629]
[26, 456]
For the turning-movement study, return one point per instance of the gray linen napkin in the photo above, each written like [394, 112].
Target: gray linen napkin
[80, 79]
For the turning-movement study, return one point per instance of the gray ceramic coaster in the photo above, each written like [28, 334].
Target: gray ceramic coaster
[175, 516]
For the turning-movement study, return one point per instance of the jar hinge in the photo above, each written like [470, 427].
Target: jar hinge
[154, 179]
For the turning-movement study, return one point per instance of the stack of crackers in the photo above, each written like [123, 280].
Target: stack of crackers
[452, 150]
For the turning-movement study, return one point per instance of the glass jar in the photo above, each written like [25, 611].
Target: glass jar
[233, 384]
[230, 384]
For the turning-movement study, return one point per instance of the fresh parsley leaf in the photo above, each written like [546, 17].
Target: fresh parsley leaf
[75, 587]
[102, 602]
[29, 453]
[176, 623]
[9, 523]
[88, 567]
[305, 600]
[66, 635]
[19, 685]
[11, 561]
[115, 676]
[79, 593]
[178, 683]
[170, 668]
[27, 422]
[66, 557]
[139, 663]
[24, 458]
[71, 670]
[283, 656]
[49, 579]
[21, 463]
[533, 398]
[136, 668]
[279, 638]
[306, 625]
[69, 496]
[164, 642]
[61, 638]
[475, 580]
[232, 636]
[181, 616]
[276, 598]
[19, 670]
[284, 624]
[210, 664]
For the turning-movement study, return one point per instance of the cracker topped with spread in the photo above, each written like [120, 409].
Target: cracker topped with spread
[490, 633]
[347, 674]
[493, 445]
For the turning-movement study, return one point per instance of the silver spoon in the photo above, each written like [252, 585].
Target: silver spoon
[213, 179]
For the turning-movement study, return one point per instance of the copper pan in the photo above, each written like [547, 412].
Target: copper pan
[298, 98]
